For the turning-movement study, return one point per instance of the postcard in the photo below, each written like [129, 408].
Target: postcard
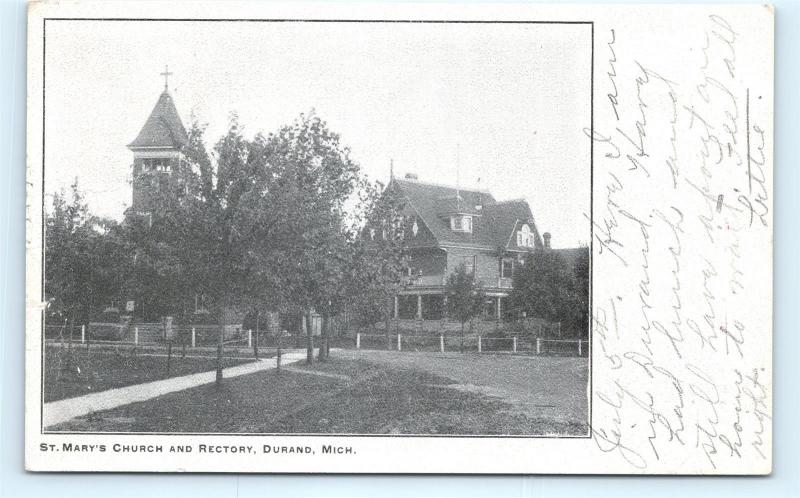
[399, 238]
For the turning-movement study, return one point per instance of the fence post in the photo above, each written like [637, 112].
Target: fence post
[538, 346]
[515, 344]
[193, 337]
[441, 343]
[479, 344]
[399, 345]
[83, 334]
[169, 354]
[358, 340]
[136, 335]
[580, 352]
[249, 338]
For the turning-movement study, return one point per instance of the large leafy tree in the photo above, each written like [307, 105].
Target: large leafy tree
[465, 297]
[85, 259]
[269, 227]
[316, 177]
[192, 242]
[226, 229]
[379, 263]
[548, 287]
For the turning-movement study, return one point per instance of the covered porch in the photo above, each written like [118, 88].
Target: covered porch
[433, 306]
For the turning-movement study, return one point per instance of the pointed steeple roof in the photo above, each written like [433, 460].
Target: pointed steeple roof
[163, 128]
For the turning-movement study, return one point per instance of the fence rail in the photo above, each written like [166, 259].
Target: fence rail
[480, 344]
[145, 334]
[205, 336]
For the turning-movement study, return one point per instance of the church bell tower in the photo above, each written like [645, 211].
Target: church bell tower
[157, 153]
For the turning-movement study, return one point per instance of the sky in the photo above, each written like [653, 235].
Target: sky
[501, 107]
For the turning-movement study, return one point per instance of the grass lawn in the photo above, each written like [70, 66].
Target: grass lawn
[99, 369]
[340, 396]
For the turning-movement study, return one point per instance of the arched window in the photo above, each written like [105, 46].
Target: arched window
[525, 237]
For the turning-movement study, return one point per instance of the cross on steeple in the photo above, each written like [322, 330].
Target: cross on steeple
[166, 74]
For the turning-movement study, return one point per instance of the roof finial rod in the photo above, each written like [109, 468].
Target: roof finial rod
[458, 179]
[166, 74]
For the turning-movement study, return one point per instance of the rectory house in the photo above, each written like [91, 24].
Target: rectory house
[447, 227]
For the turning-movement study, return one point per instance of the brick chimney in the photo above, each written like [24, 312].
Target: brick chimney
[546, 237]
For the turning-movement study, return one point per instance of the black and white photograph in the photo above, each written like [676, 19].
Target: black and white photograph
[303, 228]
[400, 238]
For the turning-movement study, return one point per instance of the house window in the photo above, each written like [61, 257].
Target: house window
[461, 223]
[506, 268]
[470, 264]
[525, 237]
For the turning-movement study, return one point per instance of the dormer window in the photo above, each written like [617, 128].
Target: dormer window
[525, 237]
[461, 223]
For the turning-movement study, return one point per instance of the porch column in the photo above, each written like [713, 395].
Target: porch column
[499, 308]
[394, 314]
[419, 306]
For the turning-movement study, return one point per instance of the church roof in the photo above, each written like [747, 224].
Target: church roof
[492, 226]
[163, 128]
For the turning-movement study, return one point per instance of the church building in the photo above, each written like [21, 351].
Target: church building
[157, 153]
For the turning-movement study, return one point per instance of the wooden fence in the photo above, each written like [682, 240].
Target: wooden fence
[479, 344]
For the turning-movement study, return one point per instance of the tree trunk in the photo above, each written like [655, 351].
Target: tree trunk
[471, 327]
[255, 339]
[219, 347]
[323, 346]
[169, 354]
[389, 313]
[278, 349]
[69, 343]
[309, 338]
[328, 340]
[462, 337]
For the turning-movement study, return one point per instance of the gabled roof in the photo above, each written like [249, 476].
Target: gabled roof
[456, 204]
[505, 218]
[492, 224]
[163, 128]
